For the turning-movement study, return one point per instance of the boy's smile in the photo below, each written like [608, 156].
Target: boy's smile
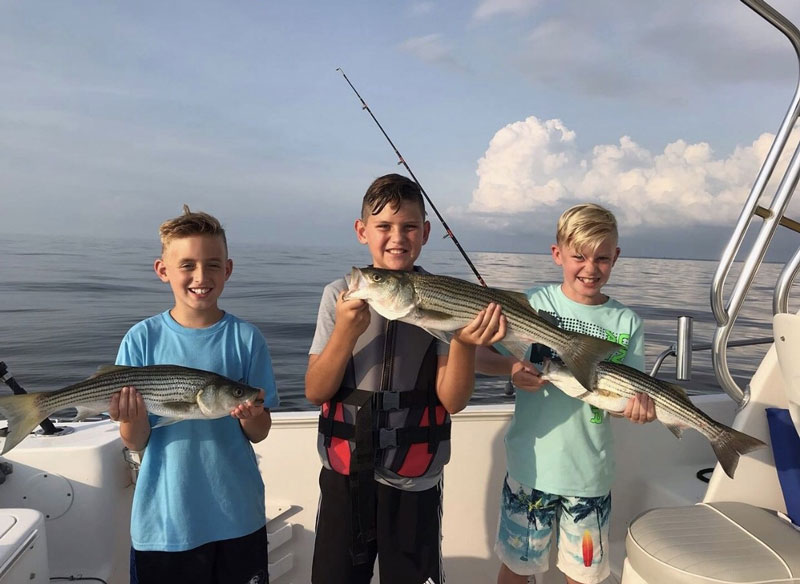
[586, 273]
[196, 268]
[394, 236]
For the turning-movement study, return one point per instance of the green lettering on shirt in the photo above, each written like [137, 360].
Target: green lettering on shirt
[597, 418]
[621, 339]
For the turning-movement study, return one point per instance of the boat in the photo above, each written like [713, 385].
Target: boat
[65, 496]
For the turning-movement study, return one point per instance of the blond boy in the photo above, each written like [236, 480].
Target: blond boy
[198, 508]
[559, 450]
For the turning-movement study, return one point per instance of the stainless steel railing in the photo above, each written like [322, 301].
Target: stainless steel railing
[726, 313]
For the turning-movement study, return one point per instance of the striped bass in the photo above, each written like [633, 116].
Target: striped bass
[615, 383]
[441, 304]
[172, 392]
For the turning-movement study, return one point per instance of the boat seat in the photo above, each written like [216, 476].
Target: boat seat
[713, 542]
[786, 329]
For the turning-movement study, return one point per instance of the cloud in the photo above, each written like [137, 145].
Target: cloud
[534, 169]
[632, 48]
[490, 8]
[421, 8]
[432, 48]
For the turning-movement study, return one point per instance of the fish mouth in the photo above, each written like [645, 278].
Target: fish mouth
[258, 402]
[356, 278]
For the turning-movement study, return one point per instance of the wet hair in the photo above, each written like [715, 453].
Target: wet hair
[585, 227]
[191, 223]
[392, 190]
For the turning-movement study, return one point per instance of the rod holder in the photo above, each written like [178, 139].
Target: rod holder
[683, 349]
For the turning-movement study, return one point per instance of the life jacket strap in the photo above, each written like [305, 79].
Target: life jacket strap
[387, 437]
[387, 400]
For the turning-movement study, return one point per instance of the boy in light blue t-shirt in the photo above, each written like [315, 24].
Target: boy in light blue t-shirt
[559, 449]
[198, 508]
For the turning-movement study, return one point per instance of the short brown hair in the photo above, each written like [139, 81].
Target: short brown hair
[393, 190]
[191, 223]
[586, 226]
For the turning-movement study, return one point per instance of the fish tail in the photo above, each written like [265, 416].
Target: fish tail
[23, 414]
[583, 353]
[729, 444]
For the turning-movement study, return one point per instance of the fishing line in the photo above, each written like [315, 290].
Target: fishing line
[402, 161]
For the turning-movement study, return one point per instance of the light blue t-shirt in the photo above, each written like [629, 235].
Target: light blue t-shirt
[199, 479]
[559, 444]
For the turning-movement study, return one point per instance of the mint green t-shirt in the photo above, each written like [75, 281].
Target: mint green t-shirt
[559, 444]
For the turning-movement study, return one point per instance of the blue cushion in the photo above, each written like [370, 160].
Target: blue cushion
[786, 451]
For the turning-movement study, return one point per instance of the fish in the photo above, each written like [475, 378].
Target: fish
[442, 304]
[615, 383]
[175, 393]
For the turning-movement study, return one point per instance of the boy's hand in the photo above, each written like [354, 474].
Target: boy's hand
[248, 409]
[640, 409]
[487, 328]
[127, 405]
[353, 314]
[525, 376]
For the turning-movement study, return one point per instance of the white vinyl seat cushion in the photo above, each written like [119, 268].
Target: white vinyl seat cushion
[714, 543]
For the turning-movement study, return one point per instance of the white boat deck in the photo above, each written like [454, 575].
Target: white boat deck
[83, 482]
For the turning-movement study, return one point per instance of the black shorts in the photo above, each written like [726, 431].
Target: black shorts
[408, 546]
[242, 560]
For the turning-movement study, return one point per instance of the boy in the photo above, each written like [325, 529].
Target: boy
[387, 390]
[198, 507]
[558, 449]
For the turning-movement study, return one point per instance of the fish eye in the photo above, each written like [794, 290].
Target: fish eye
[377, 277]
[238, 392]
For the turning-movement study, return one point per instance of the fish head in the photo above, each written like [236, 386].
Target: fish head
[220, 396]
[557, 373]
[389, 292]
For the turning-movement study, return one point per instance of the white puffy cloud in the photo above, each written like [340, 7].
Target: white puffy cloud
[534, 166]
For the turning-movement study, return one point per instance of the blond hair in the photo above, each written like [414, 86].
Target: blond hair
[585, 227]
[188, 224]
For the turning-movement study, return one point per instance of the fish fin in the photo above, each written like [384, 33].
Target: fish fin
[730, 444]
[84, 412]
[681, 392]
[584, 353]
[103, 369]
[166, 422]
[23, 416]
[441, 335]
[677, 430]
[518, 297]
[517, 348]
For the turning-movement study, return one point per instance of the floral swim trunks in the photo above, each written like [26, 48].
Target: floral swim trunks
[527, 520]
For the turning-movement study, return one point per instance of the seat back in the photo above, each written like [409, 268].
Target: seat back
[786, 328]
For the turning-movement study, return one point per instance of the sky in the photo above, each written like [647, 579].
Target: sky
[115, 114]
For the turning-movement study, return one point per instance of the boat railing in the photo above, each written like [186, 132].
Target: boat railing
[725, 313]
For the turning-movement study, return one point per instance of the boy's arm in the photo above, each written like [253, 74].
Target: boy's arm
[455, 378]
[326, 369]
[524, 374]
[127, 407]
[640, 409]
[254, 419]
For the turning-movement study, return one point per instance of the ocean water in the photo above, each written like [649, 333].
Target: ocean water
[65, 303]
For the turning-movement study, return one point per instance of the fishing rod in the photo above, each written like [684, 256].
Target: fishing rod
[402, 161]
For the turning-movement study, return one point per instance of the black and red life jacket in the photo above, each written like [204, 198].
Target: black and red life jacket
[386, 418]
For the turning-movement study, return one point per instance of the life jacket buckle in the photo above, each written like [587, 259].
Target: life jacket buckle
[387, 438]
[388, 400]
